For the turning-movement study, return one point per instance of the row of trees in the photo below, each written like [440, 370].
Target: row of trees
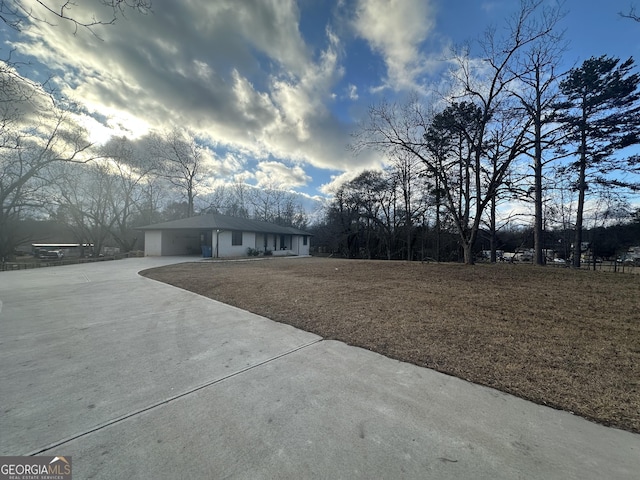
[508, 119]
[367, 218]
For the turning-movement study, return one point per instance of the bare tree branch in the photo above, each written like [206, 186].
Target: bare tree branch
[18, 14]
[631, 13]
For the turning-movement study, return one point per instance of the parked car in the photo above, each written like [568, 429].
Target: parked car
[629, 260]
[50, 254]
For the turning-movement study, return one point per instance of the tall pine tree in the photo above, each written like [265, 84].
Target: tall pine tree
[600, 112]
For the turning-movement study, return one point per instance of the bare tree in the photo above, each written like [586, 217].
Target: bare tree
[216, 200]
[181, 162]
[498, 147]
[405, 172]
[265, 201]
[127, 197]
[537, 91]
[342, 216]
[493, 93]
[82, 202]
[371, 194]
[238, 203]
[34, 135]
[272, 203]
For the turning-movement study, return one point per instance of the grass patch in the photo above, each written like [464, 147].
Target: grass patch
[559, 337]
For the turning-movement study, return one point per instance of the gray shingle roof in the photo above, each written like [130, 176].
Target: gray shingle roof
[224, 222]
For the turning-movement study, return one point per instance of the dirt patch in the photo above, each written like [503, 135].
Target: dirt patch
[563, 338]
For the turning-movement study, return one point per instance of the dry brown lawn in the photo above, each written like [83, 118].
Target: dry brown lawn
[559, 337]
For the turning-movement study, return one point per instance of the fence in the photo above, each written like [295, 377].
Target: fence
[34, 263]
[608, 266]
[614, 267]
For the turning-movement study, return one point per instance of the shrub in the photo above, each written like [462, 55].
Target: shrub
[253, 252]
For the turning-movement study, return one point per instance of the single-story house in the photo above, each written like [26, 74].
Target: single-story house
[222, 236]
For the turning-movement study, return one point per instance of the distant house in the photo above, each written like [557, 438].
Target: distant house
[222, 236]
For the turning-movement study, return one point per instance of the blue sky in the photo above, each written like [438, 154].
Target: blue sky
[275, 87]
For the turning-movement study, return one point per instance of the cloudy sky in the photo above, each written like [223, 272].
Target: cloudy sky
[274, 86]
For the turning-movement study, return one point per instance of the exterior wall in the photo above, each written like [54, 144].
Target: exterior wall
[299, 247]
[153, 243]
[225, 249]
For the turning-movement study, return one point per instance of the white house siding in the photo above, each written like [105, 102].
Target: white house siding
[301, 248]
[248, 240]
[225, 249]
[153, 243]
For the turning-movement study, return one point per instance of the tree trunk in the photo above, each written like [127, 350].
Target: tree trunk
[190, 196]
[492, 230]
[468, 254]
[538, 254]
[577, 239]
[582, 186]
[469, 236]
[437, 219]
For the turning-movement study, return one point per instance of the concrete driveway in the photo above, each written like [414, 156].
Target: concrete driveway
[137, 379]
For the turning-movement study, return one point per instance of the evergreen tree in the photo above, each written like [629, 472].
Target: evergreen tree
[601, 115]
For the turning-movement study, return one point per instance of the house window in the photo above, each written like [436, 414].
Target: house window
[304, 240]
[236, 238]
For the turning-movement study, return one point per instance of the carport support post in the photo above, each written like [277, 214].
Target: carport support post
[217, 240]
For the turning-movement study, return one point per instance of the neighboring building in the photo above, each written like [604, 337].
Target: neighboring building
[63, 249]
[222, 236]
[632, 256]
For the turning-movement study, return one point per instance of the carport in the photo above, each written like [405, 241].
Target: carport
[182, 241]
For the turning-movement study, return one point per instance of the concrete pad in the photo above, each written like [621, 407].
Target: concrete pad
[81, 345]
[137, 379]
[334, 411]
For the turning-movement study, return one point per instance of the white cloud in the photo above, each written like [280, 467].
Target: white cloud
[301, 98]
[352, 92]
[338, 180]
[395, 29]
[278, 175]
